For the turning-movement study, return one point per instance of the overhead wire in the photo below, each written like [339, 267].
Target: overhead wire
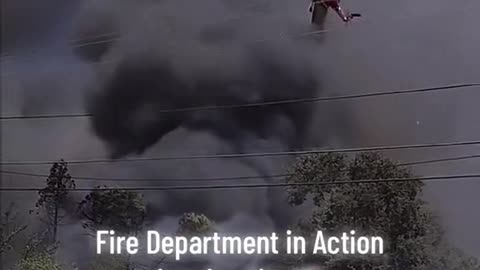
[252, 155]
[114, 36]
[266, 103]
[269, 185]
[87, 40]
[229, 178]
[153, 179]
[85, 43]
[281, 36]
[73, 43]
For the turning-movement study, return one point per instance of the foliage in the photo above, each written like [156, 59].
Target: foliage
[192, 223]
[119, 210]
[113, 209]
[109, 262]
[54, 196]
[9, 229]
[454, 259]
[41, 261]
[38, 243]
[390, 209]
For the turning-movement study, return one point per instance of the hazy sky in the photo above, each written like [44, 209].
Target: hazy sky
[396, 45]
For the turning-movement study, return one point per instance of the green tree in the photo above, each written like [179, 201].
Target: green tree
[114, 209]
[53, 198]
[109, 262]
[40, 261]
[390, 209]
[194, 224]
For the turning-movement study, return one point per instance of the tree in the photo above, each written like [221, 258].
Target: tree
[113, 209]
[9, 229]
[54, 196]
[119, 210]
[109, 262]
[392, 209]
[194, 224]
[40, 261]
[38, 243]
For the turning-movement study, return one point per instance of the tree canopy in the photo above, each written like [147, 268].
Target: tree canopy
[41, 261]
[192, 223]
[121, 210]
[391, 209]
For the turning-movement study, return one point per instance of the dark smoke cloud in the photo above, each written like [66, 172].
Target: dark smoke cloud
[164, 62]
[170, 55]
[128, 111]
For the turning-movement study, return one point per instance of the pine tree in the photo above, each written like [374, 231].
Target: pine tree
[53, 198]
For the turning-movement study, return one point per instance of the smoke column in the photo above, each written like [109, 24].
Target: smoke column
[172, 55]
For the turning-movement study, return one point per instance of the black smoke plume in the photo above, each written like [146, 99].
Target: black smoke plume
[130, 111]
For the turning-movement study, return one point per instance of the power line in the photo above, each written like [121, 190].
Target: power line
[254, 186]
[432, 161]
[113, 36]
[74, 43]
[155, 179]
[213, 179]
[85, 43]
[92, 39]
[252, 155]
[282, 36]
[268, 103]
